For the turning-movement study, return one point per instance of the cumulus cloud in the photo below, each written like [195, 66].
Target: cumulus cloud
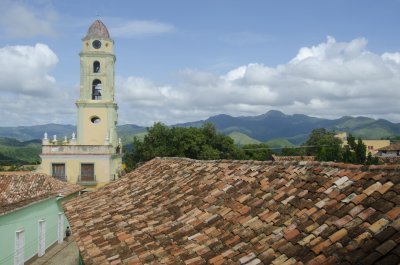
[330, 80]
[25, 69]
[18, 110]
[22, 21]
[29, 93]
[140, 28]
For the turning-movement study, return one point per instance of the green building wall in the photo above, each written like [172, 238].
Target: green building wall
[27, 218]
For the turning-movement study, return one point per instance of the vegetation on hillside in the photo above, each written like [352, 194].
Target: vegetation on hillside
[242, 139]
[205, 142]
[279, 143]
[271, 125]
[14, 152]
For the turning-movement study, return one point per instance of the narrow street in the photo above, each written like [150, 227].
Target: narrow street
[65, 253]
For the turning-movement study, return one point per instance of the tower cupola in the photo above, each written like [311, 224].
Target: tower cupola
[97, 30]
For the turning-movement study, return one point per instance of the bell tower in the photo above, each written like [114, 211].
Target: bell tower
[97, 110]
[93, 157]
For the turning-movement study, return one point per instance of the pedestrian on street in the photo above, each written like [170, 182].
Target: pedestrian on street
[67, 233]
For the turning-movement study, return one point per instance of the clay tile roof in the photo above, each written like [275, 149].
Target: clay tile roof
[97, 30]
[391, 147]
[182, 211]
[20, 189]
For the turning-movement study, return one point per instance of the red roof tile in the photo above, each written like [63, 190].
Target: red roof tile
[182, 211]
[20, 189]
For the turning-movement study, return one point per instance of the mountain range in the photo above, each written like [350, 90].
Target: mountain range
[296, 128]
[22, 144]
[271, 126]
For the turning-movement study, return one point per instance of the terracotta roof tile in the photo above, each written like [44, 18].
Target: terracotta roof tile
[182, 211]
[18, 189]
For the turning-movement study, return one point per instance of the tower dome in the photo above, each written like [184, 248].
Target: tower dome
[97, 30]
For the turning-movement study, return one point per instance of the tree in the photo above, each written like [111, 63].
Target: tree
[360, 152]
[257, 152]
[293, 151]
[371, 160]
[324, 145]
[355, 151]
[347, 155]
[196, 143]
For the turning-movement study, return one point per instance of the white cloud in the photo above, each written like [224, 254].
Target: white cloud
[395, 57]
[140, 28]
[17, 110]
[29, 93]
[25, 69]
[330, 79]
[21, 21]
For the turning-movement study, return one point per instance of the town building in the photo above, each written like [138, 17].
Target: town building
[93, 156]
[183, 211]
[31, 216]
[392, 150]
[372, 146]
[389, 154]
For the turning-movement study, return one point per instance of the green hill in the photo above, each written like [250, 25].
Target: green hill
[242, 139]
[14, 152]
[127, 139]
[279, 143]
[274, 128]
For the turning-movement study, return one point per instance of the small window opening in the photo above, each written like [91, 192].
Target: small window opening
[96, 89]
[95, 120]
[87, 172]
[58, 171]
[96, 67]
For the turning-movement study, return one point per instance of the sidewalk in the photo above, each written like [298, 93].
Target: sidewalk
[65, 253]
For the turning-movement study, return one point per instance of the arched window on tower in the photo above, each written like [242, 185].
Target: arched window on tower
[96, 67]
[96, 89]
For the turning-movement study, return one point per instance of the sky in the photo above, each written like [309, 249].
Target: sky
[180, 61]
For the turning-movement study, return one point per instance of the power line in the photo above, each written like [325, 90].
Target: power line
[289, 147]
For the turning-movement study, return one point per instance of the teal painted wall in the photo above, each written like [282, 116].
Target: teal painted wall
[28, 219]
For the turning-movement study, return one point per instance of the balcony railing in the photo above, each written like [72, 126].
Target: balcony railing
[87, 180]
[78, 149]
[62, 178]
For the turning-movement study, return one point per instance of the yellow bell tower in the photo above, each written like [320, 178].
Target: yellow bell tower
[97, 110]
[93, 157]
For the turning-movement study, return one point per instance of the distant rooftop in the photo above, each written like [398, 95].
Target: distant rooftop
[18, 189]
[391, 147]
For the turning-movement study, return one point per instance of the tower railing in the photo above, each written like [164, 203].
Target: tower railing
[78, 149]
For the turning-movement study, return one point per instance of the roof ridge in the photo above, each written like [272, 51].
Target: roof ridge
[341, 165]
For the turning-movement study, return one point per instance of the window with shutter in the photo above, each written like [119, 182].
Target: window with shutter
[87, 172]
[58, 171]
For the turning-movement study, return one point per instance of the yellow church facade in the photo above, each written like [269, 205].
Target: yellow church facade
[93, 156]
